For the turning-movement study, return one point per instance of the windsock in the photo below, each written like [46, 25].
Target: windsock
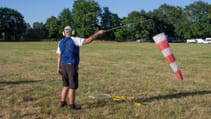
[163, 45]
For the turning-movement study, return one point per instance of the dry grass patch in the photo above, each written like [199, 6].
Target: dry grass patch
[30, 86]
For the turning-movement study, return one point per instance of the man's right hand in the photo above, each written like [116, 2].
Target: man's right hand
[94, 36]
[101, 32]
[59, 70]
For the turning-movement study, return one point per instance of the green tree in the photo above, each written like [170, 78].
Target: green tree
[139, 26]
[106, 18]
[115, 20]
[38, 25]
[28, 34]
[39, 31]
[35, 33]
[199, 20]
[108, 21]
[65, 19]
[12, 24]
[173, 17]
[52, 26]
[85, 17]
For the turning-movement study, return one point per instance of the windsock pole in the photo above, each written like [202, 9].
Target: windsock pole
[163, 45]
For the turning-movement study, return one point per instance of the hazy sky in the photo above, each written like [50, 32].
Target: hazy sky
[40, 10]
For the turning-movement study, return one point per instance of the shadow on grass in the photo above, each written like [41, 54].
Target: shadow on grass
[102, 103]
[173, 96]
[19, 82]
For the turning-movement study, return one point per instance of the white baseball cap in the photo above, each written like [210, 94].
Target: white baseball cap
[67, 29]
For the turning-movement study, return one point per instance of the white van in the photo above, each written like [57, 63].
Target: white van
[199, 40]
[191, 41]
[208, 40]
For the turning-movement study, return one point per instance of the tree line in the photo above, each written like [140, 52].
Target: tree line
[86, 17]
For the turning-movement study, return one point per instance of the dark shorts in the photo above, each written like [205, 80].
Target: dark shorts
[70, 75]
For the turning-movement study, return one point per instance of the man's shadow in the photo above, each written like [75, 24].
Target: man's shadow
[101, 103]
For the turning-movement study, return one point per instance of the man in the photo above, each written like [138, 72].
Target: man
[68, 59]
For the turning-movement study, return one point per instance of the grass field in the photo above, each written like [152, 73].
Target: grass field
[30, 87]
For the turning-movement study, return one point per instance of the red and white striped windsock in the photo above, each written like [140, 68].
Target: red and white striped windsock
[163, 45]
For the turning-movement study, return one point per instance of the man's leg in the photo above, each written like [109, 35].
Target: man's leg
[64, 94]
[71, 95]
[73, 85]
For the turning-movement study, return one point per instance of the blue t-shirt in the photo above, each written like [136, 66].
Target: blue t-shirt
[69, 51]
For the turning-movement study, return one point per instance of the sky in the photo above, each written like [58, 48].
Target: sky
[41, 10]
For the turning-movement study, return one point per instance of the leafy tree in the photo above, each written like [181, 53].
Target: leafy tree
[28, 34]
[85, 17]
[139, 25]
[115, 20]
[38, 25]
[173, 17]
[65, 19]
[35, 33]
[12, 24]
[39, 31]
[108, 21]
[145, 26]
[106, 18]
[135, 30]
[198, 15]
[52, 26]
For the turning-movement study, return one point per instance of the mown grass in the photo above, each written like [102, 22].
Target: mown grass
[30, 86]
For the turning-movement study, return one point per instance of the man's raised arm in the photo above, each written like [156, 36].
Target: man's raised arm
[93, 37]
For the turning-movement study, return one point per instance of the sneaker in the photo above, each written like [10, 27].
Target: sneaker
[73, 106]
[63, 103]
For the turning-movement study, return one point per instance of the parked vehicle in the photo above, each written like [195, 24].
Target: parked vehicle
[199, 40]
[191, 41]
[208, 40]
